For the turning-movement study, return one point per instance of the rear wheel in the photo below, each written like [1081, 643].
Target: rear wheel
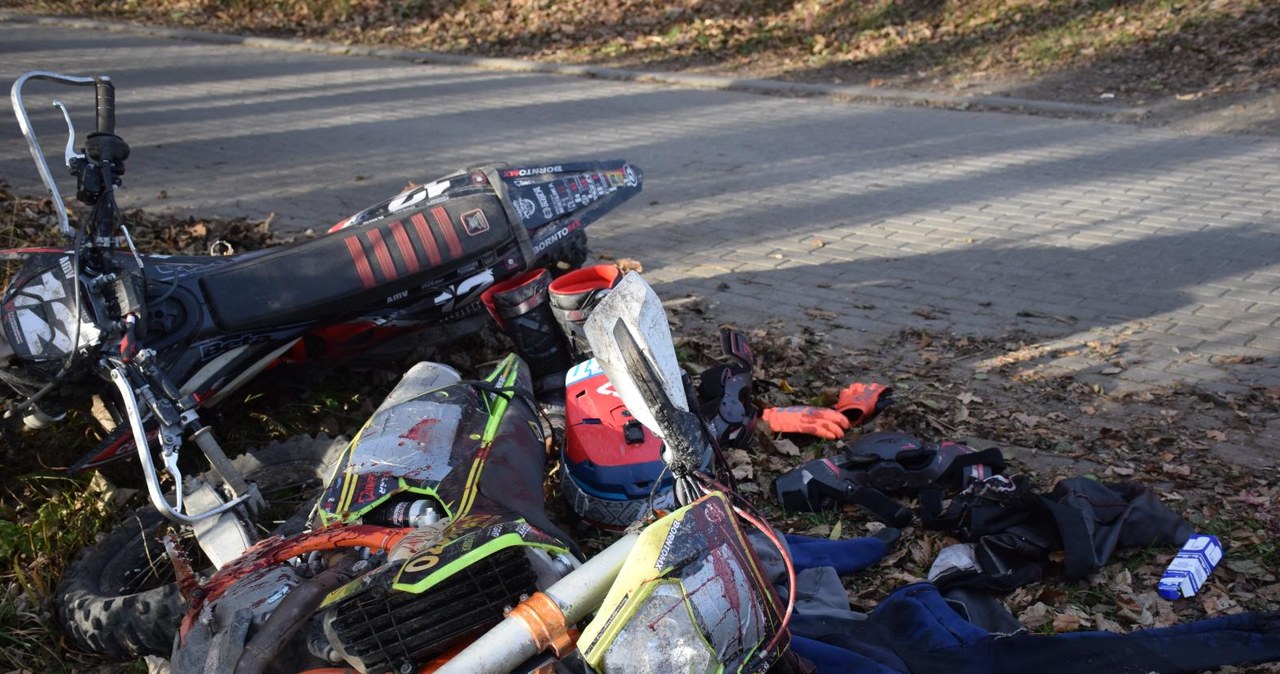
[119, 599]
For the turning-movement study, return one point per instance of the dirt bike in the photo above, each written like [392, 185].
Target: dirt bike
[432, 533]
[161, 337]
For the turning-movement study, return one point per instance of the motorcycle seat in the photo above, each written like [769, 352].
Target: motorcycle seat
[355, 268]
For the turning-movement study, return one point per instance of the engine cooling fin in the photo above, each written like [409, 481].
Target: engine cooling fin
[381, 630]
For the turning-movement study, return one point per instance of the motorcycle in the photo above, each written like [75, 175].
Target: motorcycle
[431, 534]
[161, 338]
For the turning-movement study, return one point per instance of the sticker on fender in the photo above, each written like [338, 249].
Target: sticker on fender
[584, 370]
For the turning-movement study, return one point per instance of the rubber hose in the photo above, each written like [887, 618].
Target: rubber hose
[294, 610]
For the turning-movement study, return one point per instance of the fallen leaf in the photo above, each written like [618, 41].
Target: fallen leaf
[1066, 622]
[1122, 582]
[1028, 420]
[1035, 615]
[821, 314]
[787, 447]
[927, 313]
[1159, 608]
[1250, 568]
[1216, 601]
[627, 264]
[819, 530]
[1106, 624]
[740, 464]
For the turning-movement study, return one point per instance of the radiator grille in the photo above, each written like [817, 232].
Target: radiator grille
[385, 629]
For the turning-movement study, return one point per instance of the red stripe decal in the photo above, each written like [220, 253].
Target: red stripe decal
[406, 248]
[446, 227]
[380, 251]
[428, 239]
[361, 262]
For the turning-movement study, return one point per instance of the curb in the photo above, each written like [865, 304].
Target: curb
[847, 93]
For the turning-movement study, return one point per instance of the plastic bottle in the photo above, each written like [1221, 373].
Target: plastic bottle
[418, 514]
[1192, 565]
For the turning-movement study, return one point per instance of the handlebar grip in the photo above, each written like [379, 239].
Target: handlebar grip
[106, 98]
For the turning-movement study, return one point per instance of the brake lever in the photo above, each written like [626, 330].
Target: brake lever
[69, 155]
[170, 458]
[154, 489]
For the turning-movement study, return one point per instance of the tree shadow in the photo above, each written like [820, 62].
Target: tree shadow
[1054, 293]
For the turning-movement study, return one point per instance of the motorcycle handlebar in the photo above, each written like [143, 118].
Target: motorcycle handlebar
[105, 92]
[33, 144]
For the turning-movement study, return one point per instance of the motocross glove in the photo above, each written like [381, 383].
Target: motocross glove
[819, 421]
[862, 402]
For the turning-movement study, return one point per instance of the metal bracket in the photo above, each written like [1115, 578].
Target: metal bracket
[224, 537]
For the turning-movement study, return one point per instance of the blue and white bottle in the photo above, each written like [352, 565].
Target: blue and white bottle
[1192, 565]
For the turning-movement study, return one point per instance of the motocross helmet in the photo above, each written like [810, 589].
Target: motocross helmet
[612, 464]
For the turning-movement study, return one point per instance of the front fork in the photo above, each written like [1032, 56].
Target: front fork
[220, 529]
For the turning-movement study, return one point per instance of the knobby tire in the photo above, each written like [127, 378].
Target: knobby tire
[99, 602]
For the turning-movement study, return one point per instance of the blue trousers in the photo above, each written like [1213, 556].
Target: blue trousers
[914, 631]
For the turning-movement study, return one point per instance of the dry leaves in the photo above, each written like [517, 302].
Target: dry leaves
[1126, 50]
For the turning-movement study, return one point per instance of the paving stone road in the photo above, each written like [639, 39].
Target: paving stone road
[765, 207]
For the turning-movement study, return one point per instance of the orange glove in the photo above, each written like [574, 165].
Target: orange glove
[861, 402]
[819, 421]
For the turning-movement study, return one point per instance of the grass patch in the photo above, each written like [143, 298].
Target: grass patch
[41, 528]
